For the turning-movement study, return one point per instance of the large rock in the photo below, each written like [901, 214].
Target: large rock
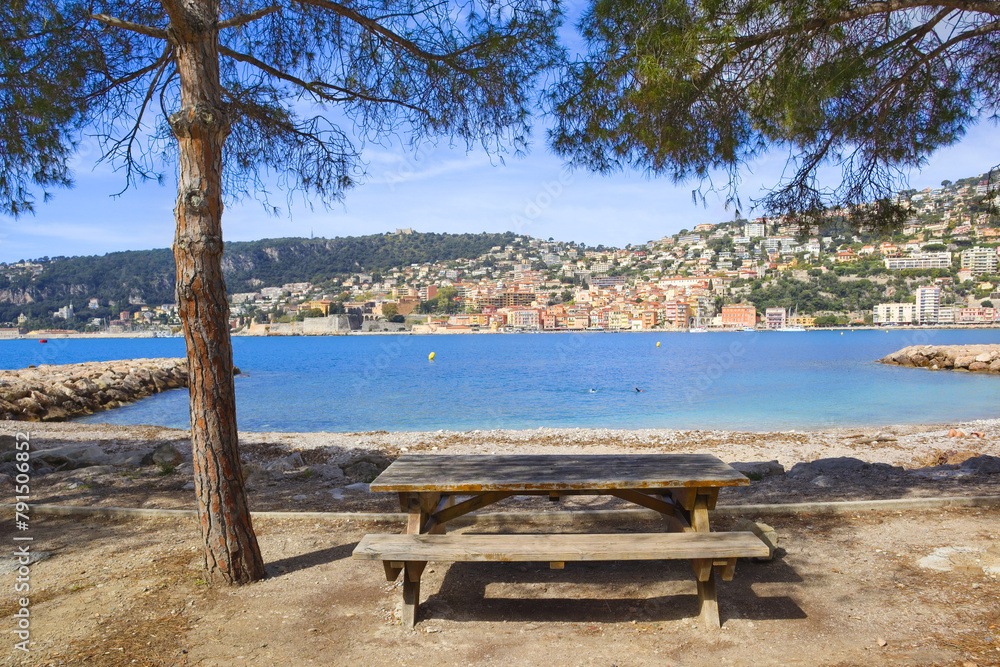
[290, 462]
[72, 456]
[834, 466]
[132, 459]
[759, 468]
[982, 465]
[167, 456]
[329, 473]
[365, 467]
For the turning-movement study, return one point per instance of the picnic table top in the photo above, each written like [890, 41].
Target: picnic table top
[554, 472]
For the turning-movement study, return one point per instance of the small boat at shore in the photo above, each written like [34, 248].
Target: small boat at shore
[698, 330]
[793, 327]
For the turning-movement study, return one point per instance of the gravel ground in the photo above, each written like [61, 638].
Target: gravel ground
[911, 445]
[844, 589]
[914, 452]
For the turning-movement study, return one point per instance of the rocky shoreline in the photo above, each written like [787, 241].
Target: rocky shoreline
[61, 392]
[972, 358]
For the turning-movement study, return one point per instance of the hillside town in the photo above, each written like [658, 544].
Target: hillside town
[940, 269]
[945, 259]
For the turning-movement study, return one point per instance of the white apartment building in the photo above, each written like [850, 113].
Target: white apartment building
[928, 304]
[919, 260]
[754, 229]
[895, 313]
[980, 260]
[813, 247]
[948, 314]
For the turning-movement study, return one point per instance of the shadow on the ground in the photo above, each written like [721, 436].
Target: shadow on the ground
[291, 564]
[861, 481]
[473, 590]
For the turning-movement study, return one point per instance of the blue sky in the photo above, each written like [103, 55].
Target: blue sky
[436, 190]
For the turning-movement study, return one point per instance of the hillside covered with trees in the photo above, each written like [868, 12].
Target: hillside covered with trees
[147, 276]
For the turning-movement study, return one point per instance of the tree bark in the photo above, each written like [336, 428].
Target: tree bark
[231, 551]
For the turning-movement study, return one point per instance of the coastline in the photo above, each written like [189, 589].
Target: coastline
[453, 331]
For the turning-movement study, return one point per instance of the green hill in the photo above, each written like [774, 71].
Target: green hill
[147, 276]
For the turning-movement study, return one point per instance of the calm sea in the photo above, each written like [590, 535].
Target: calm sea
[761, 381]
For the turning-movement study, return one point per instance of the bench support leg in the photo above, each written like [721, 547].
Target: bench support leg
[708, 603]
[411, 600]
[411, 593]
[392, 569]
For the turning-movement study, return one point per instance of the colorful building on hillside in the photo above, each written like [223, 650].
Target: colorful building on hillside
[739, 315]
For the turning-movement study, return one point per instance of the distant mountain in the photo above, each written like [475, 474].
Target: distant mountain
[147, 276]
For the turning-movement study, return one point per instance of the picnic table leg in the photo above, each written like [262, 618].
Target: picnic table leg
[708, 602]
[411, 592]
[419, 506]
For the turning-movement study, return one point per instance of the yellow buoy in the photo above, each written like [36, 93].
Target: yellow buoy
[841, 333]
[430, 356]
[887, 331]
[657, 343]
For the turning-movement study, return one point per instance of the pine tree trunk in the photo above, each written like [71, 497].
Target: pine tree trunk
[231, 551]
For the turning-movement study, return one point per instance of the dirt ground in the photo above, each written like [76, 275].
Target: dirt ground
[845, 590]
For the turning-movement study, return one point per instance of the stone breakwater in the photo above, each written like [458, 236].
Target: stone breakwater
[58, 393]
[974, 358]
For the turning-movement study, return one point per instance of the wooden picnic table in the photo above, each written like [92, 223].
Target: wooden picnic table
[436, 489]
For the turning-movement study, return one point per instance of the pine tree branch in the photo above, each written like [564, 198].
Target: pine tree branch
[124, 145]
[864, 11]
[816, 157]
[243, 19]
[136, 74]
[376, 28]
[317, 87]
[115, 22]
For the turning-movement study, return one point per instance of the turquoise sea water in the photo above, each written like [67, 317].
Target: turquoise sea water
[761, 381]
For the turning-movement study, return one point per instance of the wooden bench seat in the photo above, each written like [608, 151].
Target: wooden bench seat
[705, 550]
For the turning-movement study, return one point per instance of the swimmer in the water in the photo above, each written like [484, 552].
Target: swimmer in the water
[638, 390]
[593, 391]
